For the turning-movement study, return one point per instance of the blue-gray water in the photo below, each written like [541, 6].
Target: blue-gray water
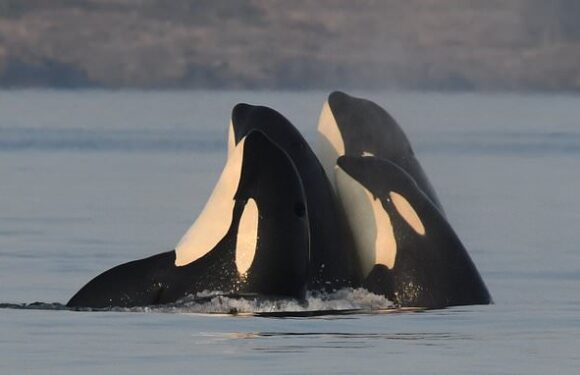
[90, 179]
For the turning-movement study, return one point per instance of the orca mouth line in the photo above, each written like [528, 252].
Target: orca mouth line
[342, 302]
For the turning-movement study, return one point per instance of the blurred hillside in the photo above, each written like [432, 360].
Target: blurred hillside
[425, 44]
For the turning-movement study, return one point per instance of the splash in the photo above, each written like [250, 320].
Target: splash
[315, 303]
[343, 301]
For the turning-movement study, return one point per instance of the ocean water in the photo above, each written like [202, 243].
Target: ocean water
[91, 179]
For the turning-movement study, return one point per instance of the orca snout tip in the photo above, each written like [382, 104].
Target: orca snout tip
[337, 94]
[241, 110]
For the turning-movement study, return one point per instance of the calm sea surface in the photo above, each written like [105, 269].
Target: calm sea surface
[91, 179]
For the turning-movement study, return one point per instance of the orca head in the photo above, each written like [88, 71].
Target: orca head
[408, 250]
[358, 127]
[273, 229]
[257, 211]
[377, 206]
[331, 254]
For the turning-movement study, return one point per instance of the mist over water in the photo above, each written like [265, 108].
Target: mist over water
[92, 179]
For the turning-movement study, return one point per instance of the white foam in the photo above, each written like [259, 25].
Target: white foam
[214, 302]
[218, 303]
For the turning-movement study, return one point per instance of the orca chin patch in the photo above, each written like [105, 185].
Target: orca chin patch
[216, 218]
[231, 139]
[372, 228]
[330, 142]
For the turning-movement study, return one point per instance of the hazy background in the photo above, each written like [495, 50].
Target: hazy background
[273, 44]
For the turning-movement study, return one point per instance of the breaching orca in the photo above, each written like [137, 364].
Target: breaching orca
[331, 254]
[408, 251]
[252, 237]
[358, 127]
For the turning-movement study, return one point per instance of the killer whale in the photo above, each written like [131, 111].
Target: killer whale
[408, 251]
[252, 237]
[359, 127]
[272, 225]
[332, 261]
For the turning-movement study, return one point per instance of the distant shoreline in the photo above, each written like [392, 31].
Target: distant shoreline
[443, 45]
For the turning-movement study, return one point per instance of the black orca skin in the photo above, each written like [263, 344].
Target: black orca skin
[332, 261]
[280, 264]
[431, 270]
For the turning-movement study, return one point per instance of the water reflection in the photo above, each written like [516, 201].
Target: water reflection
[350, 335]
[299, 342]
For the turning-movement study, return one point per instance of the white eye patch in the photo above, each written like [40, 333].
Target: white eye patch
[247, 238]
[407, 212]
